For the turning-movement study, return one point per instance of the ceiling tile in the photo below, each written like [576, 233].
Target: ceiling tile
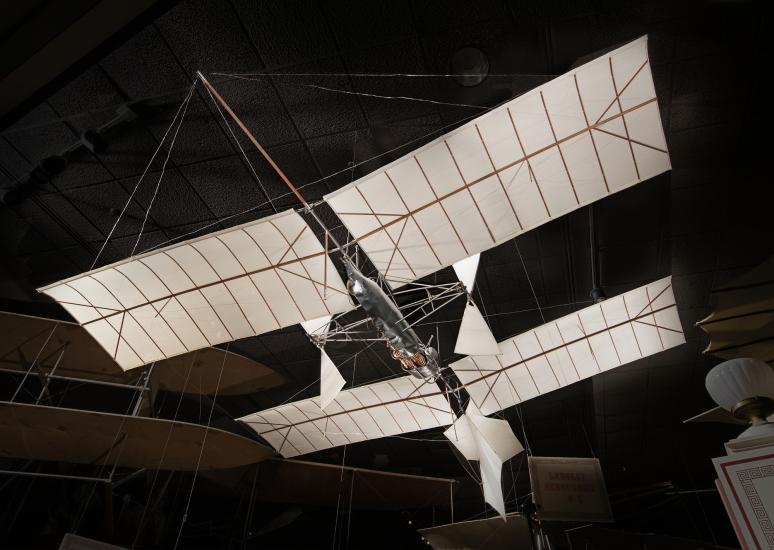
[288, 33]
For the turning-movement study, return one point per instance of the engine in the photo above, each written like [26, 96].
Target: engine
[414, 356]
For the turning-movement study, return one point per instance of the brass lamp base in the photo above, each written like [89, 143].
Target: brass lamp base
[755, 410]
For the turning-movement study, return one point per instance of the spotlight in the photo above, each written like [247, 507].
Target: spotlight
[470, 66]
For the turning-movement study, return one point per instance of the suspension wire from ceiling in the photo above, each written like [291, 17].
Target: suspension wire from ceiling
[465, 463]
[593, 248]
[390, 75]
[47, 378]
[201, 449]
[352, 357]
[520, 414]
[354, 372]
[12, 375]
[34, 362]
[164, 451]
[364, 94]
[163, 169]
[515, 312]
[308, 184]
[85, 507]
[707, 523]
[529, 281]
[250, 508]
[145, 171]
[351, 492]
[398, 97]
[177, 91]
[513, 489]
[242, 151]
[338, 500]
[588, 440]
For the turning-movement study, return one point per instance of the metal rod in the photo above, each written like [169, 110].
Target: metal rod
[251, 137]
[74, 379]
[44, 389]
[34, 362]
[270, 160]
[713, 490]
[436, 309]
[420, 287]
[142, 392]
[451, 501]
[130, 477]
[58, 476]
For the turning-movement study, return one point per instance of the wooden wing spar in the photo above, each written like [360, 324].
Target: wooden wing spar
[633, 325]
[71, 351]
[240, 282]
[37, 432]
[577, 139]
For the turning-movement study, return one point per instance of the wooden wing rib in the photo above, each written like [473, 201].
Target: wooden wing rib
[240, 282]
[577, 139]
[619, 330]
[372, 411]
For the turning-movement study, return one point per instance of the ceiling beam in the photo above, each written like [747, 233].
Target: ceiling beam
[56, 39]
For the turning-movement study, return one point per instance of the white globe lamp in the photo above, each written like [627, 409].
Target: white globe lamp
[745, 388]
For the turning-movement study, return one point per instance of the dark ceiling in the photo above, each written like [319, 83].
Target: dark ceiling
[705, 222]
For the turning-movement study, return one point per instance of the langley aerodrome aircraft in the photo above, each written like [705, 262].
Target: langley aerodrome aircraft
[577, 139]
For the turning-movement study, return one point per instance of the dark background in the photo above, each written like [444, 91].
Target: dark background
[705, 222]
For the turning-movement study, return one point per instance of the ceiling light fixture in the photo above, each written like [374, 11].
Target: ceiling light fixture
[470, 66]
[745, 388]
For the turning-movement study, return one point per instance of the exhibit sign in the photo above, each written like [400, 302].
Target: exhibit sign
[569, 489]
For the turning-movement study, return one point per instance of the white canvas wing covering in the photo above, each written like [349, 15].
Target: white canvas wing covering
[489, 441]
[240, 282]
[474, 336]
[372, 411]
[619, 330]
[331, 380]
[579, 138]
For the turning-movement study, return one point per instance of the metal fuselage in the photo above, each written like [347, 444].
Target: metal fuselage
[415, 357]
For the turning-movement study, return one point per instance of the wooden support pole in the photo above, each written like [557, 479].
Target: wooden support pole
[251, 137]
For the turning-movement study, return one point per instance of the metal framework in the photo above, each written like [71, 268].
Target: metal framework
[434, 298]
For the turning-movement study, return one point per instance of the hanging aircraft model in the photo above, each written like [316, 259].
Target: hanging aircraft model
[579, 138]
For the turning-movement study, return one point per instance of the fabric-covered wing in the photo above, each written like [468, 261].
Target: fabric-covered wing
[372, 411]
[595, 339]
[242, 281]
[579, 138]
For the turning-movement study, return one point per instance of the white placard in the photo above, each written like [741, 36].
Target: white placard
[569, 489]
